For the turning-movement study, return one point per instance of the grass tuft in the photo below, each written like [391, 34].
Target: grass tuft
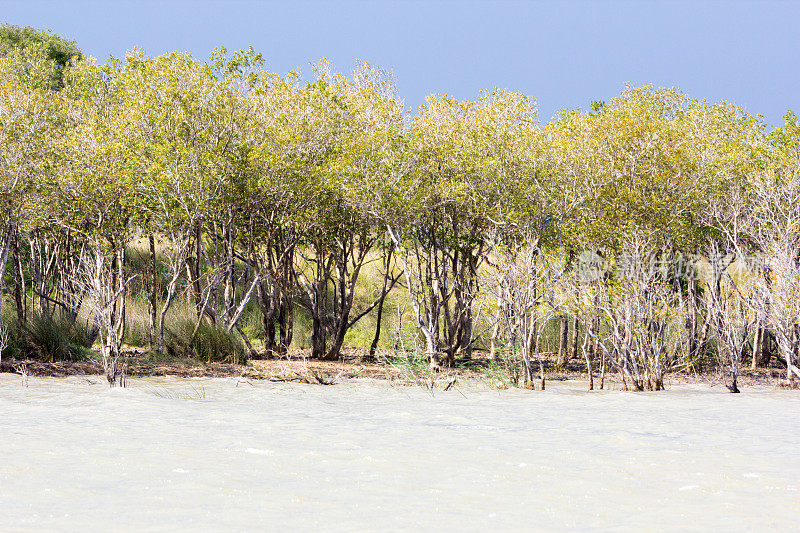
[211, 344]
[49, 338]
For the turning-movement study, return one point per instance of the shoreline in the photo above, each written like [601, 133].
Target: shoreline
[302, 370]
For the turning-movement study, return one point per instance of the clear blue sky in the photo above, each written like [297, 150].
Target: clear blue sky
[563, 53]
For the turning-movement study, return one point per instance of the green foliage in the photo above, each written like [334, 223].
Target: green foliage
[59, 49]
[302, 181]
[28, 41]
[211, 344]
[50, 338]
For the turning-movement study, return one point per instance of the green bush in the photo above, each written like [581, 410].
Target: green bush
[211, 343]
[48, 337]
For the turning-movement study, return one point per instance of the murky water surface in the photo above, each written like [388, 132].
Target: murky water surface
[167, 454]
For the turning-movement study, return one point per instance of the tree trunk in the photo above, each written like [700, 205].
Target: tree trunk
[703, 338]
[532, 342]
[602, 368]
[4, 248]
[152, 304]
[587, 349]
[20, 292]
[122, 299]
[563, 341]
[691, 321]
[246, 341]
[466, 332]
[496, 330]
[768, 347]
[432, 348]
[757, 347]
[317, 338]
[575, 344]
[337, 341]
[268, 306]
[229, 293]
[286, 323]
[193, 264]
[379, 318]
[173, 283]
[539, 360]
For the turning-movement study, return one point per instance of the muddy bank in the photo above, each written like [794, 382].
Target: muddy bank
[299, 370]
[295, 368]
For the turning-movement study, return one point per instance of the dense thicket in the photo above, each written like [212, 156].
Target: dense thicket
[239, 185]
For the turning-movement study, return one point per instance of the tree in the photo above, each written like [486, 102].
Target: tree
[183, 128]
[49, 46]
[462, 156]
[771, 222]
[30, 119]
[362, 118]
[642, 332]
[733, 314]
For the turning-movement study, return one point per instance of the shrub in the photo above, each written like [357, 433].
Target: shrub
[211, 343]
[50, 337]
